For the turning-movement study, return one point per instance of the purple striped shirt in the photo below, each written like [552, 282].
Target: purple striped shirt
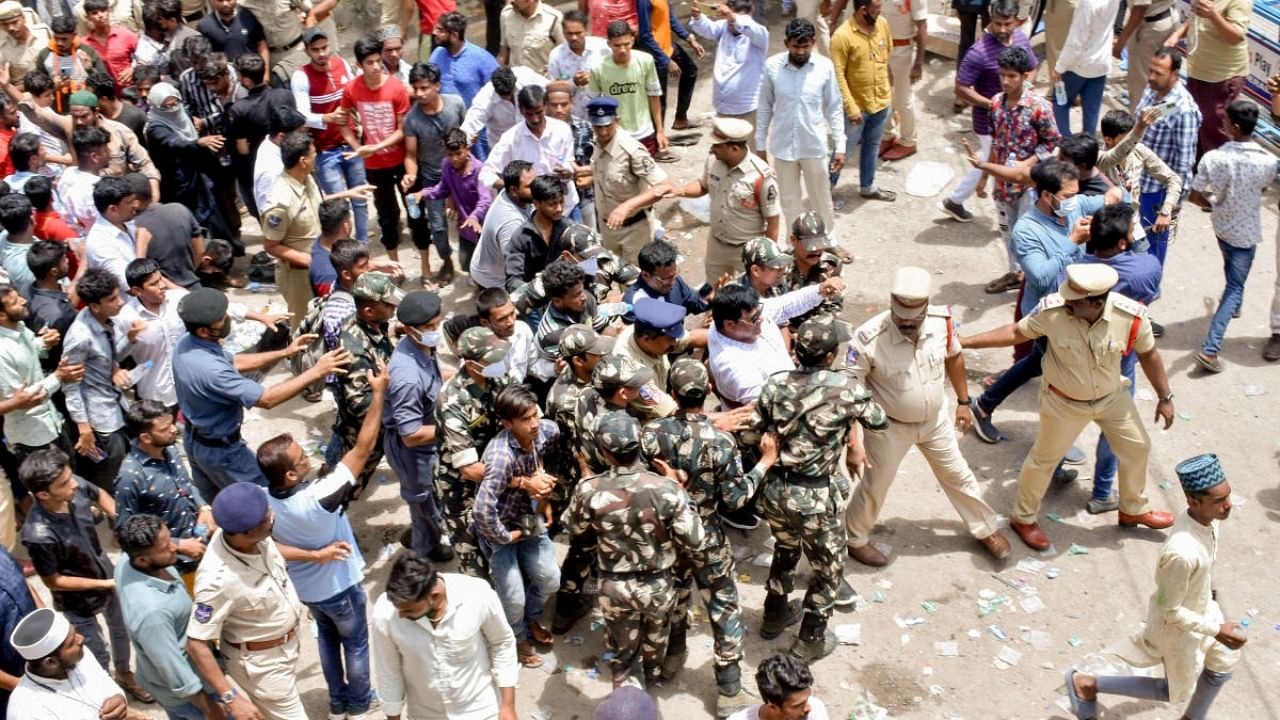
[980, 70]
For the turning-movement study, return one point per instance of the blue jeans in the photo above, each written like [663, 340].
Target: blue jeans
[1105, 464]
[430, 228]
[1019, 374]
[343, 630]
[866, 134]
[1149, 204]
[1089, 90]
[1236, 263]
[334, 174]
[525, 573]
[88, 626]
[185, 711]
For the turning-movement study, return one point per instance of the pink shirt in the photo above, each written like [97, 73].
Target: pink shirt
[117, 51]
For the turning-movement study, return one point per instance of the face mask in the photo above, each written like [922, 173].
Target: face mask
[224, 331]
[495, 370]
[1068, 206]
[590, 266]
[429, 338]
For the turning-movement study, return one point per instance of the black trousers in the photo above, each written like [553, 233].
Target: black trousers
[969, 30]
[684, 92]
[493, 27]
[386, 198]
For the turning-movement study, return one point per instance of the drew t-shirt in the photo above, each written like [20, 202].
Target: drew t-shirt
[631, 86]
[378, 111]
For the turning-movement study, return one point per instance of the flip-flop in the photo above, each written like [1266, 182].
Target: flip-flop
[541, 635]
[529, 660]
[1213, 365]
[1081, 708]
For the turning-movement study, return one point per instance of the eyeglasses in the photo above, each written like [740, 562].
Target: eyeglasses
[756, 317]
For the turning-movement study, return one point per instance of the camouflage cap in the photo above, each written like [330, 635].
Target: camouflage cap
[820, 336]
[377, 287]
[618, 432]
[582, 241]
[579, 339]
[688, 377]
[481, 345]
[615, 371]
[811, 231]
[763, 251]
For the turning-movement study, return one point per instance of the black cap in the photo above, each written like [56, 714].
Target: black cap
[202, 307]
[313, 34]
[418, 308]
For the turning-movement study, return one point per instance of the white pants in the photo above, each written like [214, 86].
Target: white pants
[902, 123]
[813, 175]
[809, 9]
[1275, 299]
[969, 182]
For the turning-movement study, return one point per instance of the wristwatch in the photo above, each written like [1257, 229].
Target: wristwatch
[227, 697]
[966, 402]
[1167, 398]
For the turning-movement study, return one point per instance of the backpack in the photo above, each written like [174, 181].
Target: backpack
[262, 268]
[312, 323]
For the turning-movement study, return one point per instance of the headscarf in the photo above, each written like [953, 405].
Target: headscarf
[176, 120]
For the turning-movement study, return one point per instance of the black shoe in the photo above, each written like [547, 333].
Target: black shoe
[845, 594]
[406, 538]
[440, 554]
[956, 210]
[984, 428]
[789, 615]
[569, 609]
[1157, 329]
[1064, 476]
[744, 519]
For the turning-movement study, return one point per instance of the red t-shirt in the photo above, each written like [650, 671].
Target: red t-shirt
[429, 12]
[49, 225]
[6, 160]
[117, 52]
[379, 112]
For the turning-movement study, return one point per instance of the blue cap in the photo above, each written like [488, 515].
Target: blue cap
[602, 110]
[240, 508]
[1200, 473]
[667, 318]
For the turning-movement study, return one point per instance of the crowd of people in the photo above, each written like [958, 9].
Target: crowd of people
[600, 397]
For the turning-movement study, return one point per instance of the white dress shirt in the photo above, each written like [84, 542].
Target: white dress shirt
[800, 105]
[107, 246]
[740, 59]
[1087, 51]
[523, 359]
[492, 113]
[741, 369]
[156, 343]
[553, 150]
[75, 191]
[451, 670]
[79, 697]
[564, 63]
[268, 166]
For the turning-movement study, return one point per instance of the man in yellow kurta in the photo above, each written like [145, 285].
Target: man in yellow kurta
[1185, 629]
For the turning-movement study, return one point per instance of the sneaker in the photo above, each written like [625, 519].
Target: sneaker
[955, 210]
[845, 594]
[337, 712]
[727, 705]
[811, 651]
[1098, 507]
[984, 428]
[743, 519]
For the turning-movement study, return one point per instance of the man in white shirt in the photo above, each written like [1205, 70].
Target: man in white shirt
[442, 646]
[741, 47]
[268, 165]
[494, 108]
[573, 60]
[111, 242]
[745, 344]
[496, 312]
[75, 187]
[800, 102]
[1083, 63]
[544, 142]
[61, 682]
[509, 211]
[786, 686]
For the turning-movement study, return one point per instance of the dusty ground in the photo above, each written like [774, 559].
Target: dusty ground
[1098, 598]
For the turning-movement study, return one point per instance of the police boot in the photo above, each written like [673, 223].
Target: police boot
[733, 697]
[779, 615]
[814, 642]
[569, 608]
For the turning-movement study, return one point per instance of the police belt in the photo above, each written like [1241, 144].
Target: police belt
[642, 215]
[228, 441]
[287, 46]
[1158, 16]
[260, 645]
[633, 574]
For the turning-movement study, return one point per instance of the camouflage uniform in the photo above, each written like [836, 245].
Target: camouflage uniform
[811, 234]
[466, 421]
[763, 251]
[604, 269]
[611, 373]
[811, 410]
[367, 345]
[710, 468]
[642, 520]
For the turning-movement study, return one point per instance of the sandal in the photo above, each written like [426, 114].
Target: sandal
[1081, 708]
[882, 195]
[1211, 364]
[1004, 283]
[527, 656]
[129, 684]
[443, 277]
[540, 635]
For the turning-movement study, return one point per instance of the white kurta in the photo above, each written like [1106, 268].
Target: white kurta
[1183, 618]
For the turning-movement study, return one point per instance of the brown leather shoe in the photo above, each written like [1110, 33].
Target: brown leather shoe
[129, 684]
[1154, 519]
[868, 555]
[996, 544]
[898, 152]
[1032, 535]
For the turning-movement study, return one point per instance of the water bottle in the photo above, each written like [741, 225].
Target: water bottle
[412, 205]
[136, 374]
[613, 309]
[202, 531]
[1060, 92]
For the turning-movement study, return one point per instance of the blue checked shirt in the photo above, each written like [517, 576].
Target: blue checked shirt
[497, 502]
[1172, 138]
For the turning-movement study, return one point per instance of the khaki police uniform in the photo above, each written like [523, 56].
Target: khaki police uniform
[653, 401]
[282, 24]
[620, 171]
[248, 605]
[292, 216]
[743, 197]
[21, 57]
[909, 381]
[1082, 383]
[1158, 23]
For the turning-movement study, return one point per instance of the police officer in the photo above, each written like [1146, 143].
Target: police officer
[765, 265]
[627, 183]
[606, 272]
[245, 602]
[744, 196]
[657, 334]
[816, 258]
[617, 383]
[291, 221]
[904, 355]
[1089, 329]
[581, 347]
[283, 24]
[365, 337]
[643, 520]
[710, 469]
[409, 425]
[466, 421]
[212, 393]
[813, 410]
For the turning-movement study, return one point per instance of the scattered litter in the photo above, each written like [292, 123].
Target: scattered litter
[387, 552]
[884, 584]
[744, 578]
[1145, 395]
[987, 607]
[905, 639]
[946, 649]
[867, 709]
[1184, 415]
[699, 207]
[541, 713]
[1031, 605]
[1053, 573]
[1009, 656]
[1054, 517]
[1077, 550]
[849, 634]
[1030, 565]
[1254, 391]
[574, 640]
[763, 560]
[593, 674]
[1016, 584]
[998, 632]
[550, 664]
[912, 622]
[1038, 639]
[1075, 642]
[877, 596]
[885, 548]
[974, 634]
[936, 690]
[985, 594]
[927, 179]
[1239, 500]
[927, 671]
[929, 607]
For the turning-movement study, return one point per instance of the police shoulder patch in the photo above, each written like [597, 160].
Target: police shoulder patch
[203, 613]
[872, 328]
[274, 219]
[1051, 301]
[648, 395]
[1128, 305]
[940, 310]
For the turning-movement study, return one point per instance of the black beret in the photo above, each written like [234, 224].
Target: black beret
[203, 307]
